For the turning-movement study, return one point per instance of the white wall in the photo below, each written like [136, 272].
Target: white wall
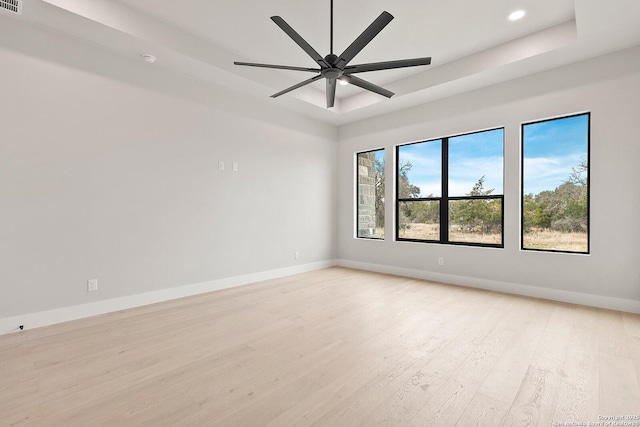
[609, 87]
[109, 170]
[102, 179]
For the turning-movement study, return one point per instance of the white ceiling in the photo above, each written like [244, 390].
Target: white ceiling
[472, 44]
[444, 30]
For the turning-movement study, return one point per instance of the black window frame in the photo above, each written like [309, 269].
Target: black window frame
[357, 189]
[522, 195]
[444, 197]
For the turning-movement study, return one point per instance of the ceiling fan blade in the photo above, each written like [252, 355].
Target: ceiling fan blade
[364, 39]
[387, 65]
[280, 67]
[368, 86]
[306, 82]
[331, 92]
[300, 41]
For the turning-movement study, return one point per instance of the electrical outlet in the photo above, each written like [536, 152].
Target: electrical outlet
[234, 167]
[92, 285]
[220, 166]
[440, 261]
[296, 255]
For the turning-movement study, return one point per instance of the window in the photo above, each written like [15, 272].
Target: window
[449, 190]
[370, 200]
[555, 184]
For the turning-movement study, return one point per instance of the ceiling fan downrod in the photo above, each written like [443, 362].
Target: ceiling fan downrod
[331, 31]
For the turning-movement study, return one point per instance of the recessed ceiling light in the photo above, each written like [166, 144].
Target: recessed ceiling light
[518, 14]
[148, 58]
[343, 82]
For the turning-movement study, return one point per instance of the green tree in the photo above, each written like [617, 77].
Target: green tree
[562, 209]
[579, 173]
[406, 190]
[574, 216]
[426, 212]
[551, 205]
[533, 213]
[480, 215]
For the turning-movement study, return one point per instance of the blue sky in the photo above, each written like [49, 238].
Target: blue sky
[551, 149]
[471, 156]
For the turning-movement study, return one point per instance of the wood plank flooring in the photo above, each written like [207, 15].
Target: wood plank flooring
[335, 347]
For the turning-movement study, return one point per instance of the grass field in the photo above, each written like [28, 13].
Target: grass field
[539, 239]
[432, 232]
[555, 240]
[421, 231]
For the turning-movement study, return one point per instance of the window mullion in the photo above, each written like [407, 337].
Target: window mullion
[444, 201]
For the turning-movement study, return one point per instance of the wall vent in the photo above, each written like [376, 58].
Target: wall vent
[12, 6]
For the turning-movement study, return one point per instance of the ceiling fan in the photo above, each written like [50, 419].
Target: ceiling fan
[333, 67]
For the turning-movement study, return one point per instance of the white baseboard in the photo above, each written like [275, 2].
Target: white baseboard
[64, 314]
[620, 304]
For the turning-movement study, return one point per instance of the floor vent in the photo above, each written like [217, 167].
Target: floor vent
[13, 6]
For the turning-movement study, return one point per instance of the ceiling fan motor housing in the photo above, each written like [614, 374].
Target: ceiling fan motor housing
[331, 59]
[331, 73]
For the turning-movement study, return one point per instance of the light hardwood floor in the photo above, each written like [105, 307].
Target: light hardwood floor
[335, 347]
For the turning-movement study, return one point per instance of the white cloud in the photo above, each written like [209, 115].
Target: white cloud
[547, 173]
[430, 188]
[419, 162]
